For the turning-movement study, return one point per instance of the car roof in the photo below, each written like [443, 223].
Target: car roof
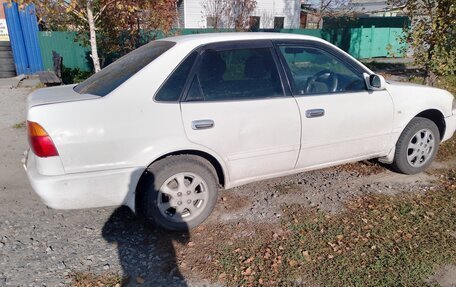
[206, 38]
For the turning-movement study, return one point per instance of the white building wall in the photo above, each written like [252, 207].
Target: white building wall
[193, 13]
[266, 9]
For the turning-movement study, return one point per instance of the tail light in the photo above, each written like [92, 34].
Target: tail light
[39, 140]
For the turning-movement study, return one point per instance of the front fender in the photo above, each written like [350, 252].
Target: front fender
[411, 100]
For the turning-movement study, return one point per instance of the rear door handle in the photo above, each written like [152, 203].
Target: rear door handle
[202, 124]
[315, 113]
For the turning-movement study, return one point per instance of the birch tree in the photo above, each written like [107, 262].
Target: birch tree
[238, 13]
[215, 9]
[78, 15]
[109, 17]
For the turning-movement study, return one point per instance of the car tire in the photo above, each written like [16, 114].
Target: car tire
[417, 146]
[178, 192]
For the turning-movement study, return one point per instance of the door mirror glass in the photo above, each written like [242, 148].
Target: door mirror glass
[376, 82]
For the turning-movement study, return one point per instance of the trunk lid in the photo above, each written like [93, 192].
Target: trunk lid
[53, 95]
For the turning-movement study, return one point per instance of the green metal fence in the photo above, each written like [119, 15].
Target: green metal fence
[363, 43]
[360, 42]
[74, 53]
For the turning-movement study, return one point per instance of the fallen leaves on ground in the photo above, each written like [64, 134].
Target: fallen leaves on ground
[379, 240]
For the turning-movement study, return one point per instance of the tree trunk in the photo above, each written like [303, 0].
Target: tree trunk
[93, 37]
[430, 78]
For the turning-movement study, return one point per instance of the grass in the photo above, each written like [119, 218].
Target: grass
[19, 125]
[377, 241]
[86, 279]
[447, 150]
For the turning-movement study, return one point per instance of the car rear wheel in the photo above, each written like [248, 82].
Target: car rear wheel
[178, 192]
[417, 146]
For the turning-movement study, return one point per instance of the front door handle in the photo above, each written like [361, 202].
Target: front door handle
[315, 113]
[202, 124]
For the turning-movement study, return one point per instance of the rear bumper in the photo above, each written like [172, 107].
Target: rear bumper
[84, 190]
[450, 123]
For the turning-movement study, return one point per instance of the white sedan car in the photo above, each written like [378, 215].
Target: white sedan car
[163, 128]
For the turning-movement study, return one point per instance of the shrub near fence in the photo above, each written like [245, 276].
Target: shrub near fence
[360, 42]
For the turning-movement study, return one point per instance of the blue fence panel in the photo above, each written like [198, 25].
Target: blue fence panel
[30, 32]
[16, 39]
[22, 29]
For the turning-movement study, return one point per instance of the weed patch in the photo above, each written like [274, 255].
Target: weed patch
[378, 241]
[447, 150]
[363, 168]
[20, 125]
[86, 279]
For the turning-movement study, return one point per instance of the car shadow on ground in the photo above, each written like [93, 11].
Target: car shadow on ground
[146, 252]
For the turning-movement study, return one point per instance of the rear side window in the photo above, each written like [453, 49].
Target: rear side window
[237, 74]
[172, 89]
[114, 75]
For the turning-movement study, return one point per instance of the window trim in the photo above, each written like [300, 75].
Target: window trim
[358, 69]
[172, 73]
[236, 45]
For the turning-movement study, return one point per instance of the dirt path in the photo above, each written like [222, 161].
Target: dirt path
[41, 246]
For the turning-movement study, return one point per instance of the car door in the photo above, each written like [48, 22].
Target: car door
[341, 119]
[235, 105]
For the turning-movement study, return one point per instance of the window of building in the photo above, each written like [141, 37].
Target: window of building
[211, 22]
[254, 22]
[279, 22]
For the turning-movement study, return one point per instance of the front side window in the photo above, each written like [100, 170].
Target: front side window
[108, 79]
[314, 71]
[238, 74]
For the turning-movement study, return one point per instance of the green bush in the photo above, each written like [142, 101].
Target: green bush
[74, 75]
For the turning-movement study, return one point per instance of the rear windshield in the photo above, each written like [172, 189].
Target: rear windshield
[109, 78]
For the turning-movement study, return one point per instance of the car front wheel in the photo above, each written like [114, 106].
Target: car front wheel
[179, 192]
[417, 146]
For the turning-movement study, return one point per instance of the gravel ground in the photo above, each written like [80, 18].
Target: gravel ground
[326, 189]
[42, 247]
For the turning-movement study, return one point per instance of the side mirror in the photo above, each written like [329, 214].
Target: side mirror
[375, 82]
